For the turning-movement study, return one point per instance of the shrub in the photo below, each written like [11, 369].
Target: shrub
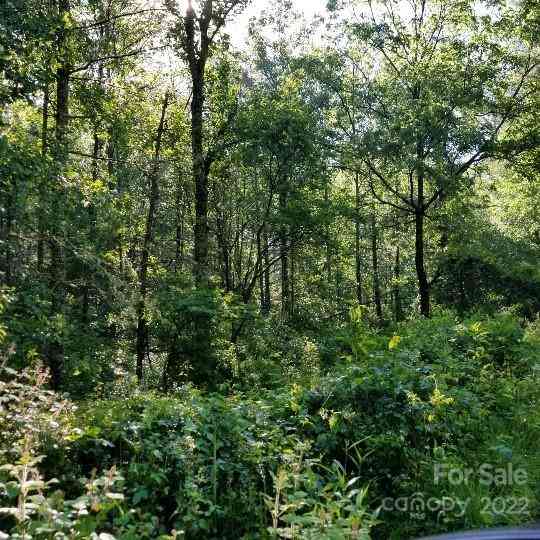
[308, 505]
[437, 387]
[199, 463]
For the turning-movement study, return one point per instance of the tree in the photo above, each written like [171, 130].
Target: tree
[196, 35]
[153, 175]
[437, 106]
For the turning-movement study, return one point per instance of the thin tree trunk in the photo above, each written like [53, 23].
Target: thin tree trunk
[226, 264]
[43, 183]
[267, 291]
[142, 324]
[112, 158]
[375, 263]
[260, 258]
[54, 353]
[284, 256]
[92, 217]
[423, 283]
[327, 241]
[203, 362]
[179, 240]
[357, 253]
[293, 283]
[200, 177]
[398, 310]
[285, 293]
[199, 33]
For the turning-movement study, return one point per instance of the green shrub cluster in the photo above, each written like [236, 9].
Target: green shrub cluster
[435, 392]
[312, 457]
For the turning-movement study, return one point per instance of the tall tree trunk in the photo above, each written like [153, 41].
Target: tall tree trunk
[260, 258]
[92, 225]
[423, 283]
[226, 264]
[179, 240]
[375, 263]
[285, 291]
[293, 282]
[398, 310]
[204, 366]
[200, 178]
[199, 33]
[112, 158]
[224, 252]
[266, 274]
[54, 352]
[43, 182]
[284, 256]
[327, 241]
[357, 253]
[142, 324]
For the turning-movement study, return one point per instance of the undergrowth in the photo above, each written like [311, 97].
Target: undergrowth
[351, 449]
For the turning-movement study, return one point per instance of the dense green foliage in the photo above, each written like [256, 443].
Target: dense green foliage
[268, 284]
[259, 463]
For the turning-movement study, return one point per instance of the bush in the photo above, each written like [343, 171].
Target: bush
[275, 355]
[201, 464]
[292, 459]
[34, 420]
[437, 389]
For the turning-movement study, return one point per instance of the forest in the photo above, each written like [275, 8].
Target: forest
[269, 271]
